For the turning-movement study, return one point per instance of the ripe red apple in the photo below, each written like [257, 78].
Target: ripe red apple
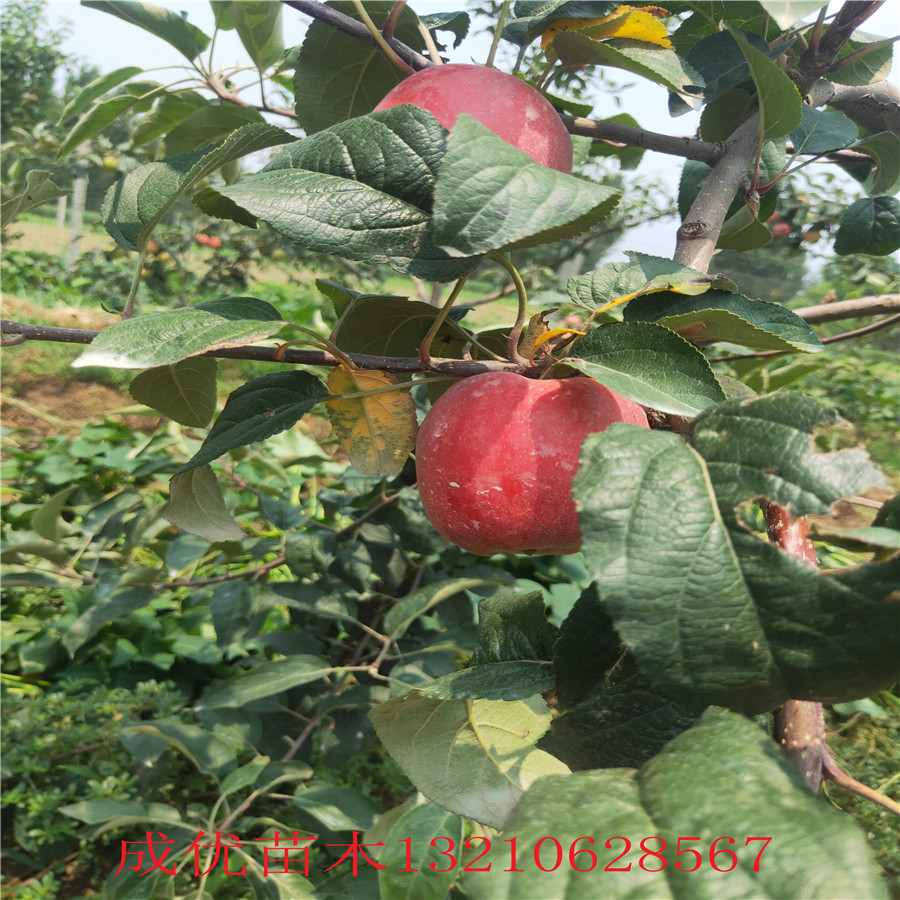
[508, 106]
[497, 453]
[781, 229]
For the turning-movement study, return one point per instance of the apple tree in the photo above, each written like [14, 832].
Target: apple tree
[661, 733]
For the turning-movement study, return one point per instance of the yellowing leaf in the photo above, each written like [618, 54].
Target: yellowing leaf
[555, 332]
[625, 22]
[377, 430]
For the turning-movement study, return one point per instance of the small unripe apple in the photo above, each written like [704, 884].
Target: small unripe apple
[812, 235]
[497, 453]
[781, 229]
[508, 106]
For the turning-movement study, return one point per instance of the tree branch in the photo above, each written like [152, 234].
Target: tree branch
[356, 29]
[455, 367]
[849, 309]
[700, 230]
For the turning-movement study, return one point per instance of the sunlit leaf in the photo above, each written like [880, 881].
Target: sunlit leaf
[195, 505]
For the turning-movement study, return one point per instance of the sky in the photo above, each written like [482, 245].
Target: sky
[110, 43]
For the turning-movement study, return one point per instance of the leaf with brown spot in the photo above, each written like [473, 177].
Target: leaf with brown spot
[377, 430]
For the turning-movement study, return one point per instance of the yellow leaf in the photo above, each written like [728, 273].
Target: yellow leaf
[625, 22]
[555, 332]
[377, 430]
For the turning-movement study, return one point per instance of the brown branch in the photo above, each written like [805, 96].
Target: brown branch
[454, 367]
[849, 309]
[687, 147]
[700, 230]
[356, 29]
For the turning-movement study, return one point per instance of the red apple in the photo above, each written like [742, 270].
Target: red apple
[505, 104]
[781, 229]
[497, 453]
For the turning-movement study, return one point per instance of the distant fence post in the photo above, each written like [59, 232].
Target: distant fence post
[76, 219]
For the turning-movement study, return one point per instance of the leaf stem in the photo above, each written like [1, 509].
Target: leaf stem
[425, 348]
[512, 342]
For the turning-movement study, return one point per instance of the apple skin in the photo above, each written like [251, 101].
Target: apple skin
[508, 106]
[497, 453]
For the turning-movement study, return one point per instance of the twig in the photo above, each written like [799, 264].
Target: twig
[446, 366]
[849, 309]
[831, 771]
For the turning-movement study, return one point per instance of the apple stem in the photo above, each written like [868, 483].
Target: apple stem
[380, 40]
[512, 342]
[425, 347]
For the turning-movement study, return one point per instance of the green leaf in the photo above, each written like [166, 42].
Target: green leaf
[875, 65]
[823, 130]
[231, 606]
[869, 225]
[722, 779]
[455, 22]
[649, 364]
[859, 540]
[780, 105]
[95, 617]
[171, 108]
[39, 189]
[723, 616]
[642, 274]
[513, 626]
[264, 680]
[184, 391]
[208, 124]
[166, 337]
[204, 749]
[259, 409]
[723, 316]
[655, 63]
[339, 78]
[720, 62]
[97, 88]
[195, 505]
[403, 613]
[258, 24]
[507, 680]
[510, 202]
[47, 519]
[790, 12]
[160, 21]
[622, 725]
[533, 19]
[426, 827]
[93, 122]
[763, 447]
[134, 205]
[361, 190]
[884, 148]
[472, 757]
[337, 808]
[743, 231]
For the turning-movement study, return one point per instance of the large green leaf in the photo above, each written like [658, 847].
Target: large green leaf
[823, 130]
[649, 364]
[720, 62]
[206, 125]
[264, 680]
[513, 626]
[369, 203]
[780, 105]
[722, 781]
[869, 225]
[39, 189]
[94, 121]
[490, 195]
[258, 24]
[724, 316]
[97, 88]
[532, 19]
[196, 506]
[257, 410]
[160, 21]
[884, 148]
[642, 274]
[717, 614]
[508, 680]
[475, 758]
[135, 204]
[163, 338]
[403, 613]
[337, 77]
[105, 610]
[871, 66]
[184, 391]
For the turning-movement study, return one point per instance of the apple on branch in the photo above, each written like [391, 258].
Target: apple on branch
[497, 453]
[507, 105]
